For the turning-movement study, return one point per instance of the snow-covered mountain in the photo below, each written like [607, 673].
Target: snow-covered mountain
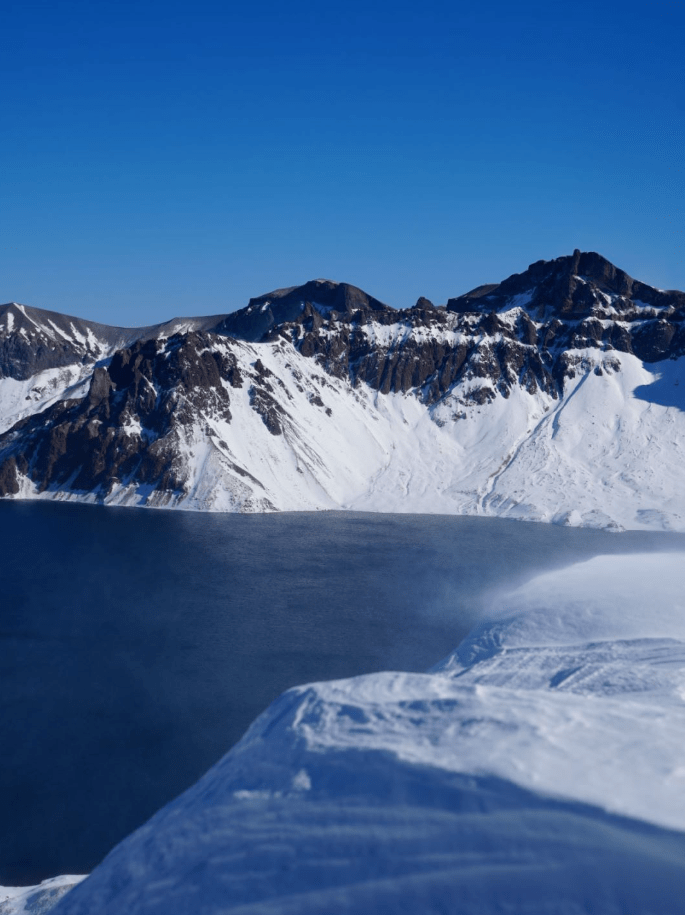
[555, 395]
[537, 770]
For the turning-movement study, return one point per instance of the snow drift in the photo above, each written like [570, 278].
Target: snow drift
[35, 900]
[537, 770]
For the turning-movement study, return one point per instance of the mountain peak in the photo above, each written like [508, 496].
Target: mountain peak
[284, 305]
[582, 265]
[572, 286]
[589, 265]
[180, 415]
[327, 293]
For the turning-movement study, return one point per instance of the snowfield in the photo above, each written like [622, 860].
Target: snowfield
[34, 900]
[606, 454]
[538, 770]
[19, 399]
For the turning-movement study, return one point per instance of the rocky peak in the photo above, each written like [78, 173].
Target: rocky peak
[340, 297]
[575, 286]
[34, 339]
[422, 303]
[144, 414]
[518, 332]
[286, 305]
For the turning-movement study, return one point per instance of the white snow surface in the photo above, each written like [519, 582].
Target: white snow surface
[34, 900]
[537, 770]
[608, 454]
[19, 399]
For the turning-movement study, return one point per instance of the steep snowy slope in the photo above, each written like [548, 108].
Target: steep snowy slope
[35, 900]
[555, 396]
[256, 427]
[207, 422]
[538, 769]
[45, 355]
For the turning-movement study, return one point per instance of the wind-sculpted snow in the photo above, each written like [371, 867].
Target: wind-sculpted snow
[601, 600]
[35, 900]
[537, 770]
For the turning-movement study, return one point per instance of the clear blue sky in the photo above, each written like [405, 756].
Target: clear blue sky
[174, 158]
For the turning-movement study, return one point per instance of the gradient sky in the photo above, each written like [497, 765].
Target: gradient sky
[160, 159]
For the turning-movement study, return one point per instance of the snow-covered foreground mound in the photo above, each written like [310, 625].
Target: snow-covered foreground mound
[34, 900]
[539, 769]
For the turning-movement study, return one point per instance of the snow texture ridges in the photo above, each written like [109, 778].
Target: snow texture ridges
[538, 769]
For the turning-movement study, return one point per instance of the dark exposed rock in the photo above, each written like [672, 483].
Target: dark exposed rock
[9, 482]
[285, 305]
[124, 429]
[429, 363]
[575, 302]
[32, 340]
[265, 404]
[652, 341]
[568, 287]
[100, 386]
[148, 386]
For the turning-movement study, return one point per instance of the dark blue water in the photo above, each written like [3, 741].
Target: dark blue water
[136, 646]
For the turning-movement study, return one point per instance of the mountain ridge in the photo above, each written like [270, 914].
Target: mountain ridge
[321, 396]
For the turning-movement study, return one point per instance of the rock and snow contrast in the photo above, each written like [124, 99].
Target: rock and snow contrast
[557, 395]
[538, 769]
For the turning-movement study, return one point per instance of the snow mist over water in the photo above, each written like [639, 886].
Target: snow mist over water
[538, 769]
[607, 597]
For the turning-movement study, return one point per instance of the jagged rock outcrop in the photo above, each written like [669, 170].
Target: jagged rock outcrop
[282, 305]
[33, 340]
[516, 332]
[127, 425]
[575, 285]
[337, 395]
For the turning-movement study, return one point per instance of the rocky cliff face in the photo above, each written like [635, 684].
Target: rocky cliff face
[520, 332]
[127, 422]
[322, 396]
[33, 340]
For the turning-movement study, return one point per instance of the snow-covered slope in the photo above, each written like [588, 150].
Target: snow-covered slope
[44, 355]
[20, 398]
[537, 770]
[34, 339]
[603, 455]
[558, 395]
[290, 437]
[35, 900]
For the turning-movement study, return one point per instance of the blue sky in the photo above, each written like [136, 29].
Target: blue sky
[166, 158]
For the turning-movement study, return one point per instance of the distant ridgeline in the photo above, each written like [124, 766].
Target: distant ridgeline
[555, 395]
